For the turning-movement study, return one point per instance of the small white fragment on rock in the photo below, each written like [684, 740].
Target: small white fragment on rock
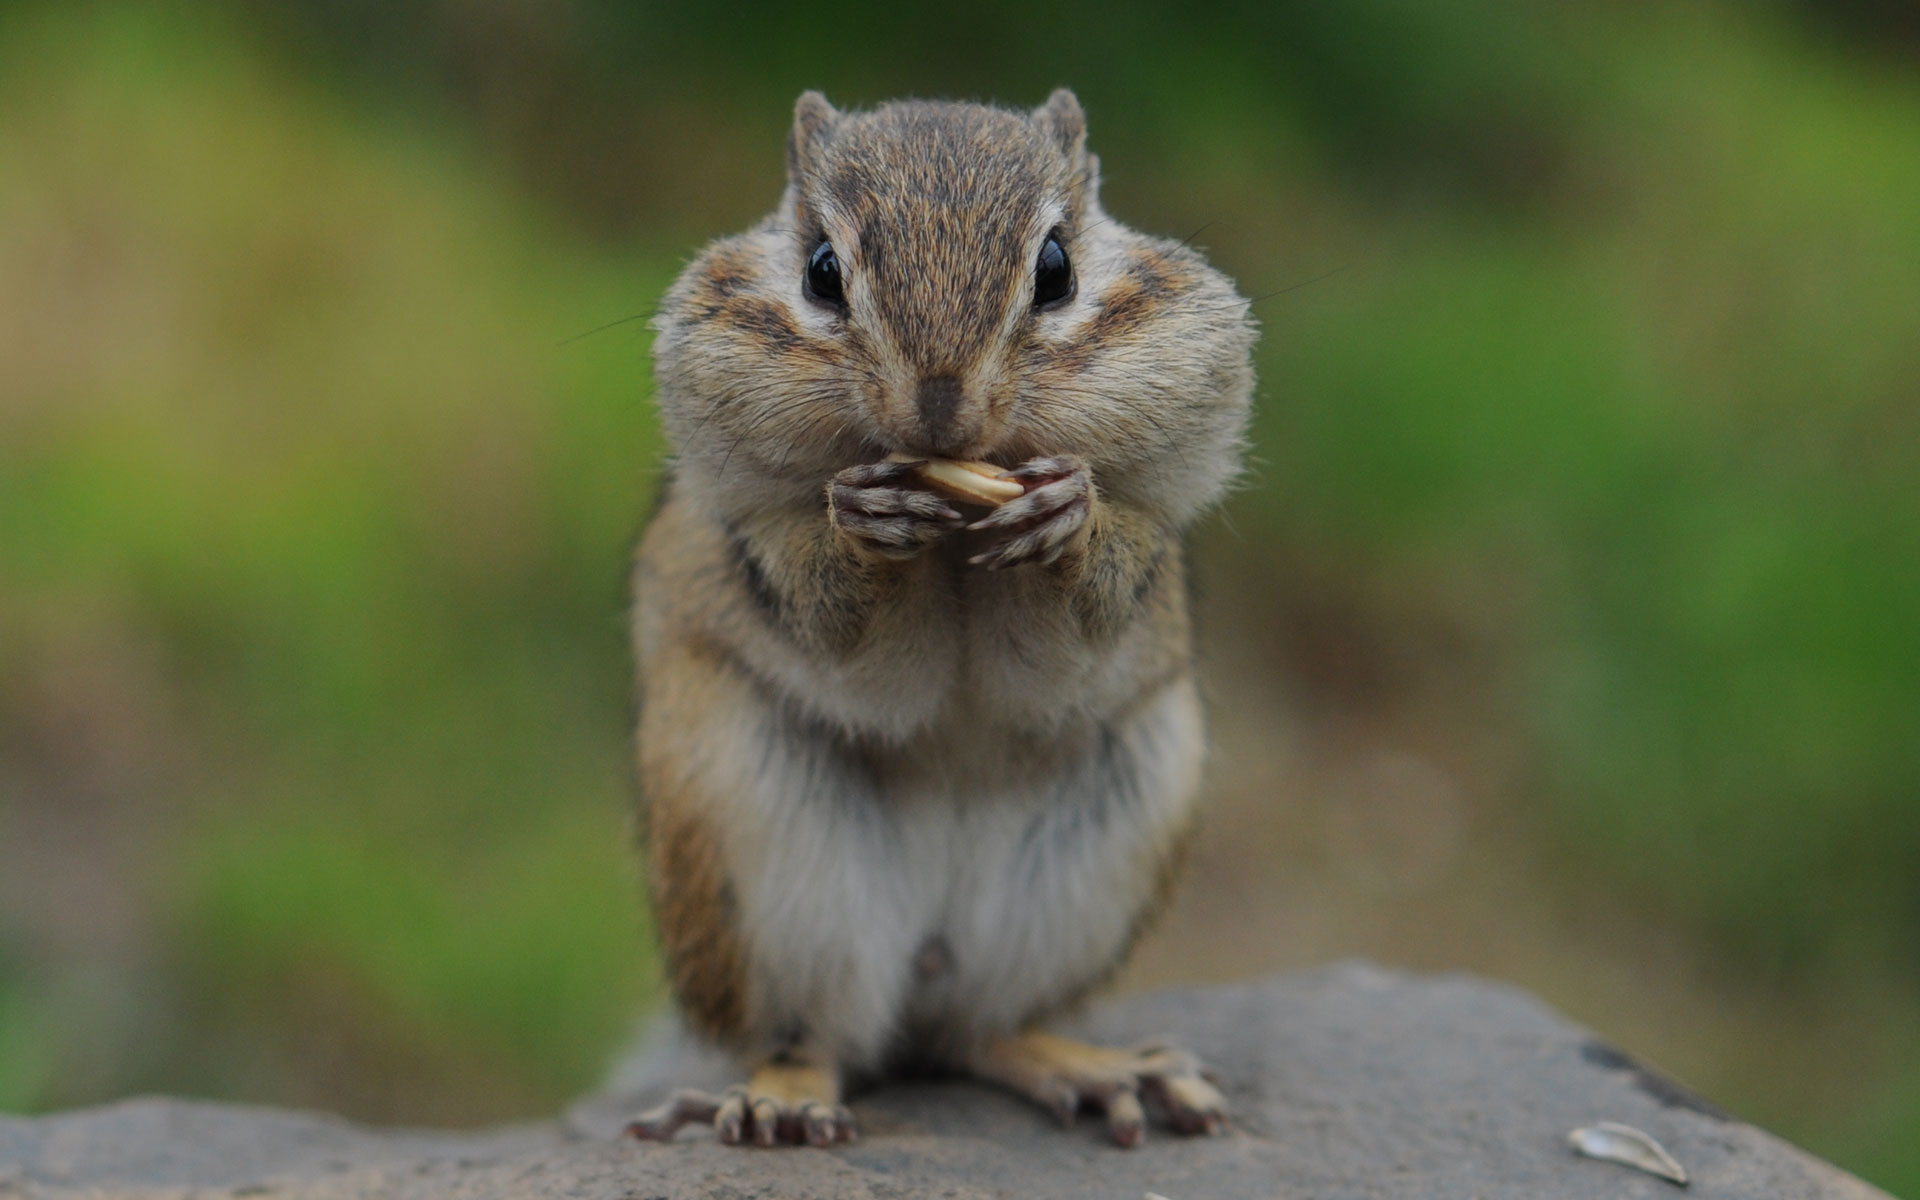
[1614, 1142]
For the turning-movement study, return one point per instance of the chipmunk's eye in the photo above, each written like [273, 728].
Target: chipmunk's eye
[823, 274]
[1052, 274]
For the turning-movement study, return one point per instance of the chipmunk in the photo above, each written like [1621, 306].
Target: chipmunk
[916, 774]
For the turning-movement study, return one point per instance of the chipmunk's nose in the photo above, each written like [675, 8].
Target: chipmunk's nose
[938, 401]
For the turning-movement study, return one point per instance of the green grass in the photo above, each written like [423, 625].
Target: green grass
[293, 415]
[1667, 424]
[1671, 433]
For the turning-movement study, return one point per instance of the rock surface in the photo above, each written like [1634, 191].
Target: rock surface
[1349, 1081]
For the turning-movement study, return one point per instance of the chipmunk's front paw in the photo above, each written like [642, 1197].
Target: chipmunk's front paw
[1043, 524]
[882, 508]
[1066, 1075]
[750, 1113]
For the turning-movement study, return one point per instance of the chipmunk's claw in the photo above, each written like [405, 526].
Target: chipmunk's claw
[740, 1115]
[1041, 525]
[687, 1107]
[730, 1122]
[1188, 1104]
[882, 508]
[1125, 1084]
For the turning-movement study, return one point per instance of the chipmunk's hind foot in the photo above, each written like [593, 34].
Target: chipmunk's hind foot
[783, 1104]
[1066, 1076]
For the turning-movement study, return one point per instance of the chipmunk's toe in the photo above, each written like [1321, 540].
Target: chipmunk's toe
[687, 1107]
[774, 1121]
[882, 508]
[1040, 525]
[784, 1104]
[740, 1116]
[1125, 1084]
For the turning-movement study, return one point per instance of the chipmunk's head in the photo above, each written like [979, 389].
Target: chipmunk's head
[928, 237]
[940, 279]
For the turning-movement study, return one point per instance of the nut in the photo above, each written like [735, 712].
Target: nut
[974, 482]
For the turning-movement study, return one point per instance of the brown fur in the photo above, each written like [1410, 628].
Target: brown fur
[695, 913]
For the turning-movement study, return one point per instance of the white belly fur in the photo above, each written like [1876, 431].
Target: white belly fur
[1033, 885]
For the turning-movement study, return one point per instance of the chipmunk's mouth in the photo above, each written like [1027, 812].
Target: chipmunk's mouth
[997, 455]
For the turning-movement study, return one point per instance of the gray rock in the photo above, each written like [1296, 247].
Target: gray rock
[1350, 1081]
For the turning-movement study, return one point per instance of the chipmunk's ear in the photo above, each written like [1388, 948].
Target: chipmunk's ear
[1063, 123]
[813, 119]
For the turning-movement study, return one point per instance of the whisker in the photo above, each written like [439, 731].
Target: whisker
[1166, 435]
[1303, 283]
[804, 437]
[1188, 240]
[609, 325]
[772, 410]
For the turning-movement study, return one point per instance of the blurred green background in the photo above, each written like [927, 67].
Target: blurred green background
[1573, 601]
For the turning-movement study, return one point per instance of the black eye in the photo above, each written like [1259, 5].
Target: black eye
[823, 274]
[1052, 275]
